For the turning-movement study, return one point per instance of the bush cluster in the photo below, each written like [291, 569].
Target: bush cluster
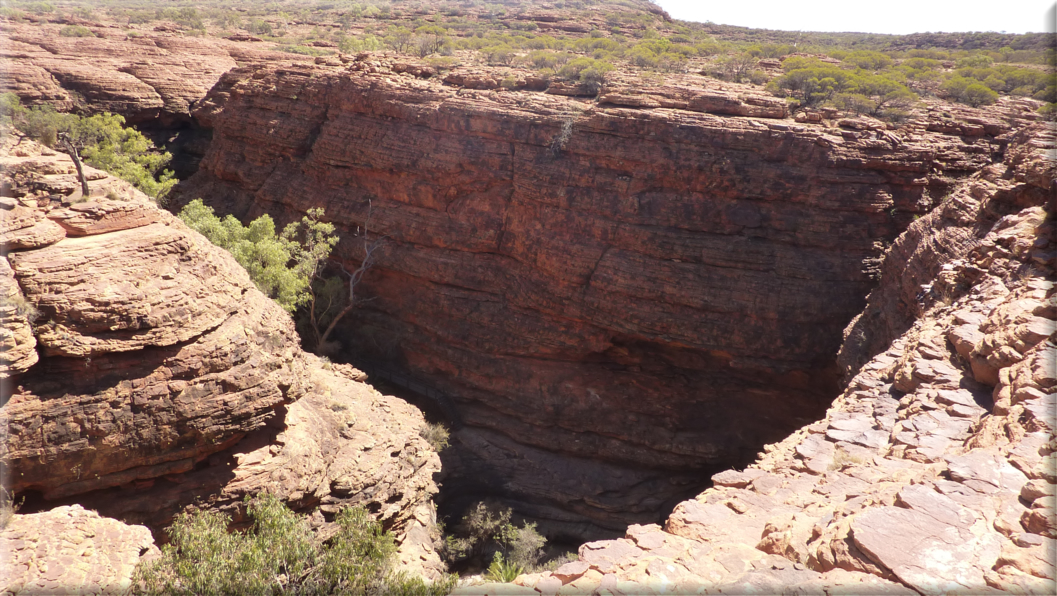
[488, 535]
[280, 554]
[813, 82]
[437, 435]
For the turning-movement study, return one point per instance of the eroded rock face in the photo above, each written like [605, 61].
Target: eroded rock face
[636, 292]
[144, 372]
[926, 476]
[152, 76]
[69, 550]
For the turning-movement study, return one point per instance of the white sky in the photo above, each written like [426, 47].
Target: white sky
[876, 16]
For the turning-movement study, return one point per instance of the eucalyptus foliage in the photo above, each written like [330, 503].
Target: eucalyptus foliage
[103, 142]
[282, 265]
[279, 555]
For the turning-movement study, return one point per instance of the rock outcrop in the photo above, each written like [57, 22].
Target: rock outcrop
[67, 549]
[933, 472]
[148, 77]
[144, 372]
[614, 299]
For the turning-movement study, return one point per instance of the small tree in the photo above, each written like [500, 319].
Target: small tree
[102, 141]
[279, 265]
[288, 267]
[737, 67]
[332, 297]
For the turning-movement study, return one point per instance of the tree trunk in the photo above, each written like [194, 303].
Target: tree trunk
[72, 151]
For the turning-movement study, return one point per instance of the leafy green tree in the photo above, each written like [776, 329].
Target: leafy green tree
[103, 141]
[854, 102]
[364, 43]
[429, 39]
[884, 92]
[812, 81]
[499, 54]
[288, 267]
[279, 555]
[259, 27]
[284, 265]
[735, 67]
[587, 71]
[969, 91]
[399, 39]
[488, 531]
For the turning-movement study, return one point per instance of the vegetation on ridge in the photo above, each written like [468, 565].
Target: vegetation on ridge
[279, 554]
[588, 41]
[103, 142]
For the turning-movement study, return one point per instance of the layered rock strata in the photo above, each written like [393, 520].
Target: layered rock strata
[144, 372]
[615, 295]
[149, 77]
[933, 472]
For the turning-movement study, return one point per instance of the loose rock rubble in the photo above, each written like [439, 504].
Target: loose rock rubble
[932, 473]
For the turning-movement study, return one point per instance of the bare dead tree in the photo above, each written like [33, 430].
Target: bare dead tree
[370, 248]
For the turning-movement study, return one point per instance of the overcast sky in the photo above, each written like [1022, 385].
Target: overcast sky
[881, 16]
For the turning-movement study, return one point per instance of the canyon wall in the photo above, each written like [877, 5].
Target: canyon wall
[614, 296]
[143, 372]
[934, 470]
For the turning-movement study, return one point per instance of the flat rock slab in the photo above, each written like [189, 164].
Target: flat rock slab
[42, 233]
[104, 216]
[927, 554]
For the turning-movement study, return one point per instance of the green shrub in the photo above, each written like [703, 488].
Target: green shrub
[283, 266]
[364, 43]
[279, 555]
[522, 546]
[258, 27]
[587, 71]
[76, 31]
[500, 54]
[548, 58]
[969, 91]
[303, 50]
[38, 7]
[855, 103]
[867, 60]
[436, 435]
[503, 571]
[487, 529]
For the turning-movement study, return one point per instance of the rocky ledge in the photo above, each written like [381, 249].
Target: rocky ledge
[934, 470]
[612, 299]
[143, 372]
[146, 76]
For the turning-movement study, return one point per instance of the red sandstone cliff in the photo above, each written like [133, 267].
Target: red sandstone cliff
[613, 310]
[144, 372]
[933, 472]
